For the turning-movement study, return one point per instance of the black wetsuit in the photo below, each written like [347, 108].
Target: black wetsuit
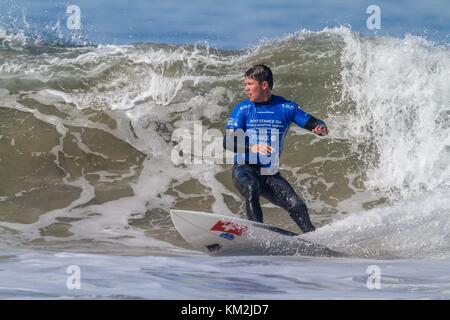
[251, 184]
[276, 114]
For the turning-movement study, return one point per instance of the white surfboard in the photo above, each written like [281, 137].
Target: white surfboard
[220, 235]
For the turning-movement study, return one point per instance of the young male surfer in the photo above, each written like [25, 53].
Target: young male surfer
[255, 132]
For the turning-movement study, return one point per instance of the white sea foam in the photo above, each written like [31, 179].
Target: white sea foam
[402, 104]
[42, 275]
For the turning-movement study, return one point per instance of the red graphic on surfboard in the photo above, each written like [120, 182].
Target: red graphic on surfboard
[230, 227]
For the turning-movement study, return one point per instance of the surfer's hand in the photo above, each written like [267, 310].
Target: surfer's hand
[261, 148]
[320, 130]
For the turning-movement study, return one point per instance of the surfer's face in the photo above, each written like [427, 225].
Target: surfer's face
[257, 92]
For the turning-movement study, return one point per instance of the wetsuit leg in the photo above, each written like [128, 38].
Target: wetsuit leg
[277, 190]
[247, 180]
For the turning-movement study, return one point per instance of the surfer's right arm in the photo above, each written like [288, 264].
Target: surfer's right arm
[235, 139]
[237, 142]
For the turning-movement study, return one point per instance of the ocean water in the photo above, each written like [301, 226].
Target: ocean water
[90, 163]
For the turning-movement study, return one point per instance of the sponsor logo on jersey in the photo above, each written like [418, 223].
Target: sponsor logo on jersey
[287, 106]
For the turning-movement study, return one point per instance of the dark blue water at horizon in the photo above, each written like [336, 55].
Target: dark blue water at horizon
[222, 24]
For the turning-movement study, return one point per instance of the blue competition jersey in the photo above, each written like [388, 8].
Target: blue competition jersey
[266, 123]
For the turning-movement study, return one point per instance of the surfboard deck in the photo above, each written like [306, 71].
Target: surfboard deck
[220, 235]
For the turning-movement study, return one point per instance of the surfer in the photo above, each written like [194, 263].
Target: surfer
[255, 132]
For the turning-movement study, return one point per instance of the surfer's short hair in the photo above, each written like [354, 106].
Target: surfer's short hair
[260, 72]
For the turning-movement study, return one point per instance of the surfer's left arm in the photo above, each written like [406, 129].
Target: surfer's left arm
[318, 126]
[309, 122]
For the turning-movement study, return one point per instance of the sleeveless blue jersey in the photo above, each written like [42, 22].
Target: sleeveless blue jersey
[266, 123]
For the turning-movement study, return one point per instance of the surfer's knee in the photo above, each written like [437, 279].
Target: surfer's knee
[251, 189]
[247, 185]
